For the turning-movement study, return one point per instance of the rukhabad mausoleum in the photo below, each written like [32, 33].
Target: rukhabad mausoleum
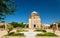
[34, 20]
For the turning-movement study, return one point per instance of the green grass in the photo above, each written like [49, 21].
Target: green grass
[47, 34]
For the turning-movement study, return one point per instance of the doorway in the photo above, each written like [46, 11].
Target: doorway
[34, 25]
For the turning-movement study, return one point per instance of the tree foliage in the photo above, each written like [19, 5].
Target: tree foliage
[15, 24]
[21, 25]
[6, 7]
[10, 27]
[51, 25]
[59, 24]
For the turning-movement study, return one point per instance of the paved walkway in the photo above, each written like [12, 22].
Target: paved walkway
[30, 34]
[2, 33]
[57, 33]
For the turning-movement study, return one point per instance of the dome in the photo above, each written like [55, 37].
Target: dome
[34, 13]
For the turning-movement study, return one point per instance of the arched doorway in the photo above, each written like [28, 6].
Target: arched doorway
[34, 25]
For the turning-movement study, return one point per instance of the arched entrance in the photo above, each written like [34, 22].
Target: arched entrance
[34, 25]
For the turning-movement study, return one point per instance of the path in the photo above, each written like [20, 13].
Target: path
[30, 33]
[2, 33]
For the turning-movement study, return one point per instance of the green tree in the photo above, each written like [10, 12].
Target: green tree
[21, 25]
[15, 24]
[51, 25]
[59, 24]
[27, 25]
[6, 7]
[9, 28]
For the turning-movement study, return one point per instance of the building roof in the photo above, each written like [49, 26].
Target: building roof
[34, 13]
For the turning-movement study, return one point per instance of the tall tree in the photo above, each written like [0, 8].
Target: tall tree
[6, 7]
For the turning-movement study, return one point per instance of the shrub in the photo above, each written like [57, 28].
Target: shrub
[21, 30]
[12, 33]
[40, 35]
[10, 28]
[2, 26]
[15, 34]
[19, 34]
[18, 30]
[40, 30]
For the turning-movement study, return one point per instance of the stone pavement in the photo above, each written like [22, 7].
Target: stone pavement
[2, 33]
[57, 33]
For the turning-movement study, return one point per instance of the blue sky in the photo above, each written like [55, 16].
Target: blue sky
[49, 11]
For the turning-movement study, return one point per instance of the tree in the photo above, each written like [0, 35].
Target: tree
[21, 25]
[51, 25]
[15, 24]
[9, 28]
[27, 25]
[6, 7]
[59, 24]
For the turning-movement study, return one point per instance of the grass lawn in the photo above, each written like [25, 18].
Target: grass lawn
[47, 37]
[47, 34]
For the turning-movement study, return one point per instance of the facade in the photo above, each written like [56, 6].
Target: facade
[34, 20]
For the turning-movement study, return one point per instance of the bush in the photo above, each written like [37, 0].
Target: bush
[12, 33]
[21, 30]
[10, 28]
[18, 30]
[19, 34]
[47, 34]
[40, 35]
[2, 26]
[15, 34]
[40, 30]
